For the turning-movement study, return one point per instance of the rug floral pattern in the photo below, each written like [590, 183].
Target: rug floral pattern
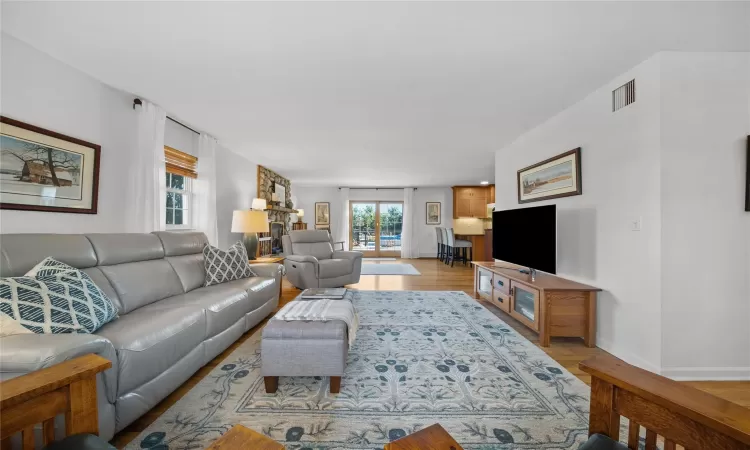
[420, 358]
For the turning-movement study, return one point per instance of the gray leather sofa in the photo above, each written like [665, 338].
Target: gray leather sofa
[169, 324]
[311, 262]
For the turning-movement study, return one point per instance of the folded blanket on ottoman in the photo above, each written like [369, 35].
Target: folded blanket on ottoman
[322, 310]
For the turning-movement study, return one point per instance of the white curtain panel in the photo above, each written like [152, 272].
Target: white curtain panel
[204, 190]
[146, 204]
[408, 243]
[342, 227]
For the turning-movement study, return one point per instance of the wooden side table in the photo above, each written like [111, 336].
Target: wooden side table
[433, 437]
[273, 259]
[243, 438]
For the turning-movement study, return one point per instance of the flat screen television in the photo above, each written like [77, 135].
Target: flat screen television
[526, 237]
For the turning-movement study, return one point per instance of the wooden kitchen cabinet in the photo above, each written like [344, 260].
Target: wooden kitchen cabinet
[471, 201]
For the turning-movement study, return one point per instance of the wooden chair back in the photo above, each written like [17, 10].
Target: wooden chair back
[67, 388]
[683, 416]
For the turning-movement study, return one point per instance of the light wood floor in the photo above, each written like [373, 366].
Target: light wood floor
[436, 276]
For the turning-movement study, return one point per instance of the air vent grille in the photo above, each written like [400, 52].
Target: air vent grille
[623, 95]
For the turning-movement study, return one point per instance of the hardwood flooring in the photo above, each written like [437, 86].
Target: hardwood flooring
[436, 276]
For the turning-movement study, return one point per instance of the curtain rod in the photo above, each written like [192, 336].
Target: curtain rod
[182, 124]
[377, 189]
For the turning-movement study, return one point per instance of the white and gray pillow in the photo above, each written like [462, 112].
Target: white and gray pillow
[54, 297]
[222, 266]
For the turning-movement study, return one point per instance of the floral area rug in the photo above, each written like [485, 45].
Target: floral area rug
[420, 358]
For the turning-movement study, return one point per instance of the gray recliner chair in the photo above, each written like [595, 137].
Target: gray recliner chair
[311, 262]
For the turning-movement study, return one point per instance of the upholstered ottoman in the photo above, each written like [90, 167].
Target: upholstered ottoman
[303, 348]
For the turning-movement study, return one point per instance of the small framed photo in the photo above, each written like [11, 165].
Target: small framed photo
[433, 213]
[41, 170]
[322, 214]
[559, 176]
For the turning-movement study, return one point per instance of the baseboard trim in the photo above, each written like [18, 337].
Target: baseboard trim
[707, 373]
[627, 356]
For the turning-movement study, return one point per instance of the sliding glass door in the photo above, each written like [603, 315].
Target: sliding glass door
[375, 227]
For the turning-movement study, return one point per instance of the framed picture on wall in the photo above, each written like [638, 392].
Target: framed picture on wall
[559, 176]
[433, 213]
[322, 214]
[41, 170]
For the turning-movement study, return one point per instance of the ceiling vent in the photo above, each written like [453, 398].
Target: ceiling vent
[623, 95]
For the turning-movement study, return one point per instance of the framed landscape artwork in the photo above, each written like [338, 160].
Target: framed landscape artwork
[433, 213]
[322, 213]
[42, 170]
[559, 176]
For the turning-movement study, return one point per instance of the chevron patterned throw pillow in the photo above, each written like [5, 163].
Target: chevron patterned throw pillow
[222, 266]
[56, 298]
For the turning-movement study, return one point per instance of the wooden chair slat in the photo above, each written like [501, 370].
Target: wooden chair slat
[28, 438]
[48, 431]
[650, 440]
[669, 445]
[634, 431]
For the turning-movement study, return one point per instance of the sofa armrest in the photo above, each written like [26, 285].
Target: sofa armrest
[24, 353]
[270, 270]
[346, 255]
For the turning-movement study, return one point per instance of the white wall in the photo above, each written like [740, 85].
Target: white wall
[620, 168]
[677, 293]
[705, 263]
[425, 234]
[42, 91]
[236, 186]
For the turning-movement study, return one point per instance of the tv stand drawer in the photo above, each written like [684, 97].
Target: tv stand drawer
[501, 284]
[501, 300]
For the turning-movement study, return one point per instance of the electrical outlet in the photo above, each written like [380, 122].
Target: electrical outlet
[637, 224]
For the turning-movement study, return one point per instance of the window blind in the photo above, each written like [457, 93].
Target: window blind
[180, 163]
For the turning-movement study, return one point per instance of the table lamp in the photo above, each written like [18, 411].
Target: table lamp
[300, 215]
[250, 223]
[259, 204]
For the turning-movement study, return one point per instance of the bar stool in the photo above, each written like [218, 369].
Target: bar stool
[460, 248]
[447, 249]
[439, 243]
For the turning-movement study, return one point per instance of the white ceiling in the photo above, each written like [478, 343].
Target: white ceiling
[369, 94]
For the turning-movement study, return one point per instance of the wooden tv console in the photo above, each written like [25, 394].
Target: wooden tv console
[550, 305]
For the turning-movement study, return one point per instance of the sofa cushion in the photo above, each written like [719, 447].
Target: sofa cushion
[332, 268]
[21, 252]
[140, 283]
[259, 290]
[151, 339]
[320, 250]
[118, 248]
[190, 269]
[178, 243]
[222, 266]
[224, 304]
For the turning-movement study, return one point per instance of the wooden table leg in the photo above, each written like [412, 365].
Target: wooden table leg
[272, 383]
[590, 338]
[335, 385]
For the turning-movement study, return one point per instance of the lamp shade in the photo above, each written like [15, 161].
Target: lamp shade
[300, 213]
[244, 221]
[259, 204]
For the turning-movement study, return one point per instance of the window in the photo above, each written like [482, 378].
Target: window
[180, 168]
[178, 201]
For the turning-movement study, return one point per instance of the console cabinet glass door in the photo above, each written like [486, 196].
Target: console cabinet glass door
[484, 283]
[525, 304]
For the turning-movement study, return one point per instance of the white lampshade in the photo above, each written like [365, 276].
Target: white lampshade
[244, 221]
[300, 213]
[259, 204]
